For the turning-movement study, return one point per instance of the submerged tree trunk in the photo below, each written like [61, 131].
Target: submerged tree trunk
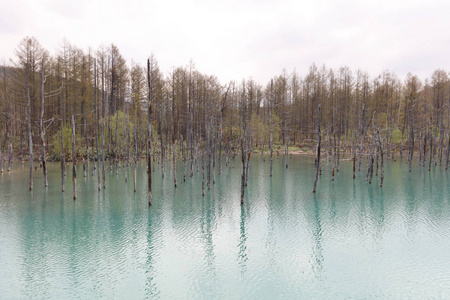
[126, 144]
[382, 161]
[203, 172]
[96, 125]
[63, 158]
[85, 170]
[361, 148]
[1, 160]
[174, 164]
[318, 151]
[448, 154]
[30, 138]
[41, 127]
[371, 159]
[354, 165]
[412, 141]
[271, 127]
[103, 135]
[74, 160]
[220, 140]
[243, 171]
[161, 142]
[135, 152]
[149, 134]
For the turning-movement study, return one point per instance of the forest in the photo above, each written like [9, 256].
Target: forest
[94, 107]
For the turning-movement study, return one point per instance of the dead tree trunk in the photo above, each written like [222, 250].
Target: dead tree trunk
[208, 152]
[203, 172]
[22, 145]
[63, 158]
[448, 154]
[191, 136]
[174, 163]
[231, 130]
[412, 140]
[243, 171]
[135, 151]
[264, 136]
[318, 151]
[361, 148]
[243, 146]
[117, 148]
[354, 155]
[126, 144]
[103, 134]
[1, 160]
[30, 138]
[161, 142]
[183, 153]
[85, 141]
[149, 134]
[220, 140]
[371, 160]
[382, 161]
[41, 127]
[128, 136]
[10, 154]
[96, 125]
[74, 160]
[271, 127]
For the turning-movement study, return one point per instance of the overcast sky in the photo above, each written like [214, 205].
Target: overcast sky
[244, 38]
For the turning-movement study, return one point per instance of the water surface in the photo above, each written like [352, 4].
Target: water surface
[350, 240]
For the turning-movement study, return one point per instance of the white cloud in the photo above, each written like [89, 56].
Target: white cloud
[242, 39]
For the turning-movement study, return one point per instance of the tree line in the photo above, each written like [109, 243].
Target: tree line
[94, 106]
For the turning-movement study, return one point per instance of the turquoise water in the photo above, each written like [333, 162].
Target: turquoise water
[351, 240]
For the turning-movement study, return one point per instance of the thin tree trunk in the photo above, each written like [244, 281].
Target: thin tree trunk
[220, 140]
[243, 171]
[128, 136]
[85, 170]
[125, 144]
[174, 163]
[1, 160]
[103, 134]
[30, 139]
[96, 125]
[382, 161]
[117, 148]
[183, 158]
[22, 144]
[10, 149]
[135, 151]
[149, 134]
[63, 158]
[74, 160]
[264, 137]
[161, 142]
[412, 140]
[361, 149]
[41, 127]
[448, 154]
[271, 127]
[318, 151]
[354, 165]
[203, 172]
